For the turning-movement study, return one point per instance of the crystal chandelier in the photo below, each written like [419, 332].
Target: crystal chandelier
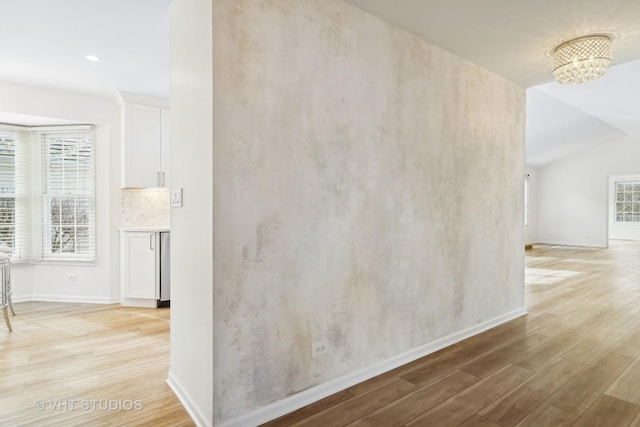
[581, 60]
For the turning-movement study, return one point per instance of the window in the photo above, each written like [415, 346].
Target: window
[48, 212]
[627, 205]
[14, 216]
[8, 188]
[68, 196]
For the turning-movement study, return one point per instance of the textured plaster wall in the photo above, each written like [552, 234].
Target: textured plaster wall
[368, 192]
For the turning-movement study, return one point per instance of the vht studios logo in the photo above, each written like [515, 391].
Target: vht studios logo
[69, 405]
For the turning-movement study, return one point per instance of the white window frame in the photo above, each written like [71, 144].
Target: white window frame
[632, 190]
[625, 230]
[526, 200]
[14, 243]
[44, 242]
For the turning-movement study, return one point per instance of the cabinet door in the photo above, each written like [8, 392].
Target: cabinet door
[139, 263]
[164, 146]
[142, 150]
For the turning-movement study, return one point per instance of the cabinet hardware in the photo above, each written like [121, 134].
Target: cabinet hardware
[151, 241]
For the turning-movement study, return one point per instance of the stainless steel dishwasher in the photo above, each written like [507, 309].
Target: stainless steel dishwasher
[164, 293]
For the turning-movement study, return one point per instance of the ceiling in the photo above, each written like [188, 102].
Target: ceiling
[49, 41]
[510, 37]
[44, 43]
[513, 38]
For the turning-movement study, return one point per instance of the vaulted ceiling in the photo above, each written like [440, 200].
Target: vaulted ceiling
[514, 38]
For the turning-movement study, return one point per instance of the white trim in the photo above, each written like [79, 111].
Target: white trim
[194, 410]
[66, 298]
[47, 128]
[574, 244]
[138, 302]
[134, 98]
[61, 128]
[311, 395]
[8, 127]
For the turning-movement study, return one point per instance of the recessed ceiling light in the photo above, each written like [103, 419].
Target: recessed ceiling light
[92, 58]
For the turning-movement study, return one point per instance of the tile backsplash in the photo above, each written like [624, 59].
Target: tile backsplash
[148, 207]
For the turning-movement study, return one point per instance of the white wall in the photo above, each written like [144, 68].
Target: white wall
[368, 193]
[573, 192]
[530, 233]
[99, 282]
[191, 226]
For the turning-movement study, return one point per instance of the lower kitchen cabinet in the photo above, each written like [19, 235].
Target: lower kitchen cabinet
[139, 268]
[145, 274]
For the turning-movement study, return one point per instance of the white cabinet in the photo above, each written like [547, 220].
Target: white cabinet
[165, 125]
[145, 142]
[138, 266]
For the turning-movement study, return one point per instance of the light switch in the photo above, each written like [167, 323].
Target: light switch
[176, 198]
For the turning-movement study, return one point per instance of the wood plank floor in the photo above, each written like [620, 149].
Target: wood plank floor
[573, 360]
[87, 365]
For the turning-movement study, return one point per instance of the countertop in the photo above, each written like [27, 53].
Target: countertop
[151, 229]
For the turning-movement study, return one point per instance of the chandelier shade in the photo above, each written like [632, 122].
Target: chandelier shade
[581, 60]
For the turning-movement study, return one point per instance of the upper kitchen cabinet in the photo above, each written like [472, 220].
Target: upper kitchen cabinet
[145, 141]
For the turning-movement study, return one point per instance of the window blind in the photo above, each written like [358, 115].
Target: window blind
[14, 188]
[68, 196]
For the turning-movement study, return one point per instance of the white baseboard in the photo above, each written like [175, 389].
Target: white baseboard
[65, 298]
[574, 244]
[194, 411]
[138, 302]
[308, 396]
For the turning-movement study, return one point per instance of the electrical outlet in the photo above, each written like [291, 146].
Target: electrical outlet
[72, 277]
[319, 348]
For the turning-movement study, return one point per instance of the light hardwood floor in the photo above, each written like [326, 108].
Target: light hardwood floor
[86, 365]
[573, 360]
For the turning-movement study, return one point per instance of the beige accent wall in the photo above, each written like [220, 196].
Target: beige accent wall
[368, 192]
